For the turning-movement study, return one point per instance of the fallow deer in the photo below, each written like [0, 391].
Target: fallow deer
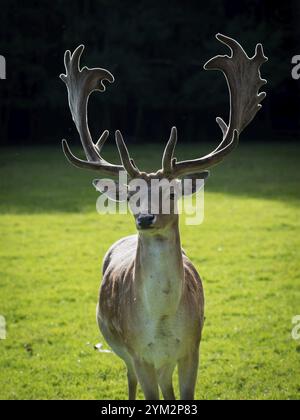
[151, 303]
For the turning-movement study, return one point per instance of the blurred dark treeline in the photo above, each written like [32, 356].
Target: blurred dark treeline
[156, 50]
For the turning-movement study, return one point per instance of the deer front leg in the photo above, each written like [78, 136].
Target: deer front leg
[188, 370]
[165, 382]
[147, 378]
[132, 382]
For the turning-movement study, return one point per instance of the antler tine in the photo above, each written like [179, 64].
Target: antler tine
[81, 83]
[221, 123]
[127, 162]
[244, 82]
[231, 43]
[167, 160]
[260, 57]
[187, 167]
[105, 168]
[102, 140]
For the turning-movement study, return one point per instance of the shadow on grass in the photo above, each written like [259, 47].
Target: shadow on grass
[40, 180]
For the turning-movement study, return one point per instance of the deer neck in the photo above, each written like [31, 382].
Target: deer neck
[159, 270]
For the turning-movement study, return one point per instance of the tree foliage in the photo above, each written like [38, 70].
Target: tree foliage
[156, 50]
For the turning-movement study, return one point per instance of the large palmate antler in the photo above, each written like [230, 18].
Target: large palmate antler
[80, 84]
[244, 82]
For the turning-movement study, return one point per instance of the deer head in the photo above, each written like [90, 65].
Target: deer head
[244, 82]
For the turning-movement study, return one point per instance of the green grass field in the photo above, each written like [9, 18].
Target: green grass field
[247, 250]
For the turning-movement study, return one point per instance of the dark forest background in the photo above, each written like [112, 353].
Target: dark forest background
[156, 50]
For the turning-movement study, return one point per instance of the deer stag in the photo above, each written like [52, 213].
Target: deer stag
[151, 304]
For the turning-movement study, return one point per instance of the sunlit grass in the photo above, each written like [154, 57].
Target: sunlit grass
[247, 250]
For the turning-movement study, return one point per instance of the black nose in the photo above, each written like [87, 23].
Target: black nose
[144, 221]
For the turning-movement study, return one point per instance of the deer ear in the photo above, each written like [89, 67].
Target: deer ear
[112, 189]
[193, 183]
